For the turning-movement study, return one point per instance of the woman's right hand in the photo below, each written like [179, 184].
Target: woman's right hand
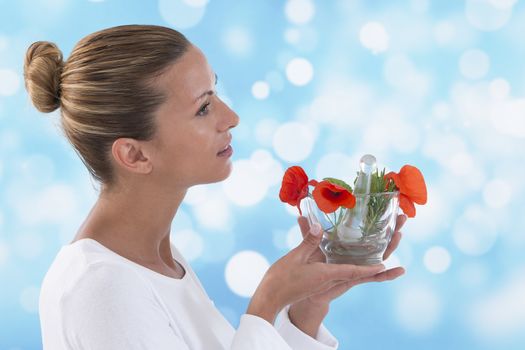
[293, 277]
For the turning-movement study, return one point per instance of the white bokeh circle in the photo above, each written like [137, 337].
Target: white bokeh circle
[238, 41]
[246, 185]
[292, 35]
[9, 82]
[299, 11]
[299, 71]
[196, 3]
[374, 37]
[497, 193]
[189, 243]
[437, 259]
[430, 218]
[180, 13]
[474, 64]
[293, 142]
[197, 195]
[418, 309]
[400, 72]
[503, 4]
[499, 315]
[475, 231]
[36, 169]
[444, 32]
[485, 16]
[508, 118]
[214, 213]
[244, 271]
[260, 90]
[182, 220]
[265, 130]
[407, 137]
[53, 204]
[4, 42]
[268, 167]
[337, 165]
[499, 88]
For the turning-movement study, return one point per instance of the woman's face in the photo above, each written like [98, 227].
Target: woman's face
[192, 126]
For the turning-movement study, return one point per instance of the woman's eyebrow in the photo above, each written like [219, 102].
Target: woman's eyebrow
[209, 92]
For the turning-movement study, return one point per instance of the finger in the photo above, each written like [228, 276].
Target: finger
[387, 275]
[394, 242]
[400, 221]
[318, 255]
[310, 242]
[303, 225]
[352, 272]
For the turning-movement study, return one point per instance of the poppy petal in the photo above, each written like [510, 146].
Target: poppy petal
[329, 197]
[407, 206]
[294, 186]
[324, 204]
[413, 184]
[313, 182]
[348, 201]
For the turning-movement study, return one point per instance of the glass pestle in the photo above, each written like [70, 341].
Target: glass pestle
[350, 228]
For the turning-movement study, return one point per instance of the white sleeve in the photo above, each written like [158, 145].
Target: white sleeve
[255, 333]
[297, 339]
[112, 308]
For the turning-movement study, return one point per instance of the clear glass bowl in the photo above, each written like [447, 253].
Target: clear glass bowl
[359, 235]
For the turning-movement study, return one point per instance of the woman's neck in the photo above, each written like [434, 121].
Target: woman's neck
[134, 222]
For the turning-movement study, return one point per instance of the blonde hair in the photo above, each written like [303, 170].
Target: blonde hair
[105, 89]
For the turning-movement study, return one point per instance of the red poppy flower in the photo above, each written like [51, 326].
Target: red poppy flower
[329, 197]
[294, 186]
[412, 188]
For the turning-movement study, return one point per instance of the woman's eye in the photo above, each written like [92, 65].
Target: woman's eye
[204, 109]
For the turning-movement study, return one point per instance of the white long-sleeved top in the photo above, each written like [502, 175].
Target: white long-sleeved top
[93, 298]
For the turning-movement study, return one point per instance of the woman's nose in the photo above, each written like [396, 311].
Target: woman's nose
[230, 119]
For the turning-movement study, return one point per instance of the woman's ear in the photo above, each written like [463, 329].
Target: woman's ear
[130, 155]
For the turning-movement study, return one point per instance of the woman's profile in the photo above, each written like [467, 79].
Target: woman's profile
[138, 105]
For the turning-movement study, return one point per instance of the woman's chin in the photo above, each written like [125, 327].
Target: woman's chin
[224, 175]
[218, 176]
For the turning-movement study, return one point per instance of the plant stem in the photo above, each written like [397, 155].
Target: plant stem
[328, 217]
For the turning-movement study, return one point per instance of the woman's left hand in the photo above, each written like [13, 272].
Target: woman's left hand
[308, 313]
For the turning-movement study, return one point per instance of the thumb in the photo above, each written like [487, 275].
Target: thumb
[311, 240]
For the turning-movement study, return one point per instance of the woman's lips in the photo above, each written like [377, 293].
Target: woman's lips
[226, 152]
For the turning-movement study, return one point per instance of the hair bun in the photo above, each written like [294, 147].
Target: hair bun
[42, 71]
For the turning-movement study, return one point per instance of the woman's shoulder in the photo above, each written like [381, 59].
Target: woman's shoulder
[88, 291]
[83, 266]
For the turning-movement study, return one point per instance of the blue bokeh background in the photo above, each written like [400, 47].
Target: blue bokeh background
[436, 84]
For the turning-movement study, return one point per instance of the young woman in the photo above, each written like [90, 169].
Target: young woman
[138, 105]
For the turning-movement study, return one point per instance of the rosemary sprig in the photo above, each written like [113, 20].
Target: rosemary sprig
[377, 205]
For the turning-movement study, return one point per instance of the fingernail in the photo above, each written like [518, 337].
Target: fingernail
[315, 229]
